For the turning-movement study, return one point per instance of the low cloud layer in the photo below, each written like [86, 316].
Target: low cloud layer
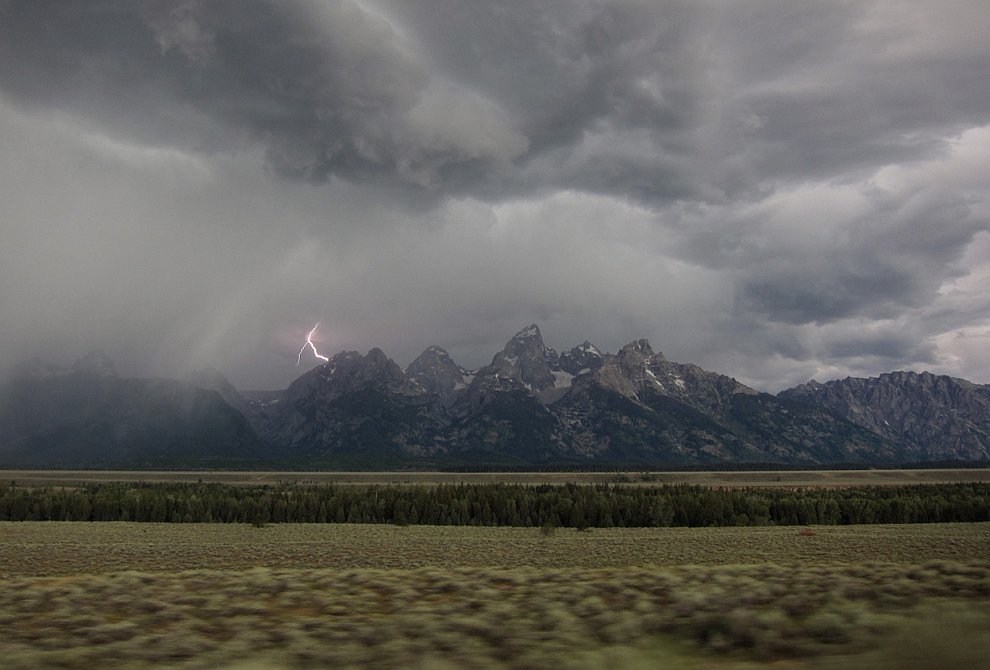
[774, 190]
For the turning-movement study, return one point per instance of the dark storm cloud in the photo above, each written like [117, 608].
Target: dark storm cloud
[874, 280]
[707, 101]
[776, 188]
[325, 88]
[612, 97]
[654, 100]
[831, 87]
[561, 68]
[891, 346]
[823, 253]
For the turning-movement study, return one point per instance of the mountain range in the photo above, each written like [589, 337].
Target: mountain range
[530, 407]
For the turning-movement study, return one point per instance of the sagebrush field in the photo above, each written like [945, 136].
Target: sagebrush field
[66, 548]
[129, 595]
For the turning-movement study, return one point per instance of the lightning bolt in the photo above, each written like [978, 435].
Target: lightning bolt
[309, 343]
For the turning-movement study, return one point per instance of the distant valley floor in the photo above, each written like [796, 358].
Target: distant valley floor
[784, 478]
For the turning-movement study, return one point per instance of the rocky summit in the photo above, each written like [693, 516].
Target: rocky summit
[529, 407]
[933, 416]
[435, 372]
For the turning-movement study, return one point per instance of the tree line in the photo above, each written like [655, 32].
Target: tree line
[494, 504]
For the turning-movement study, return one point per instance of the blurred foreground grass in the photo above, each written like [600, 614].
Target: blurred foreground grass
[89, 595]
[692, 616]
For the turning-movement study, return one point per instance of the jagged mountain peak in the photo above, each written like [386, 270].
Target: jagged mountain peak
[583, 358]
[431, 353]
[530, 331]
[352, 362]
[587, 346]
[529, 339]
[376, 356]
[638, 372]
[525, 360]
[348, 371]
[942, 416]
[436, 372]
[640, 348]
[925, 377]
[530, 405]
[898, 378]
[635, 359]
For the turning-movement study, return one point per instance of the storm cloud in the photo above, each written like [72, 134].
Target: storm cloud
[776, 190]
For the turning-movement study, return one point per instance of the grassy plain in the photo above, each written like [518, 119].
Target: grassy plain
[782, 478]
[127, 595]
[55, 548]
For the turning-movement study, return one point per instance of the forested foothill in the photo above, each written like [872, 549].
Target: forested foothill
[499, 504]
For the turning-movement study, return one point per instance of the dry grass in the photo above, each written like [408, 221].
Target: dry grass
[803, 478]
[124, 595]
[59, 548]
[481, 617]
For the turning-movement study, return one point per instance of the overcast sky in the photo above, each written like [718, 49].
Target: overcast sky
[777, 190]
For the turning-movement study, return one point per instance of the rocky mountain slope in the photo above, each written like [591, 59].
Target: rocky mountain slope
[531, 406]
[935, 417]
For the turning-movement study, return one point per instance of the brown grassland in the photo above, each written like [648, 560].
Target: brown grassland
[128, 595]
[782, 478]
